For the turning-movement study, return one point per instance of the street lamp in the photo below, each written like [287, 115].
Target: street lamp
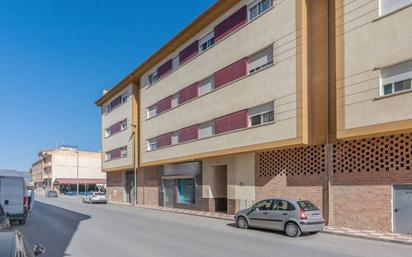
[134, 164]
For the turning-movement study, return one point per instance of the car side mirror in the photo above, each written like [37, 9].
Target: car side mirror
[38, 249]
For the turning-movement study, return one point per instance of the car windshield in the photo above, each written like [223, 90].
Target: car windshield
[308, 206]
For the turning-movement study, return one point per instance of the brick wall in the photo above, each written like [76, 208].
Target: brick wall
[114, 187]
[148, 186]
[291, 173]
[362, 207]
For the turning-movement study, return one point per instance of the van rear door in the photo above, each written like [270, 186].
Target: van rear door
[12, 195]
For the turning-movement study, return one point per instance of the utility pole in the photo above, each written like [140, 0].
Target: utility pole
[77, 180]
[134, 165]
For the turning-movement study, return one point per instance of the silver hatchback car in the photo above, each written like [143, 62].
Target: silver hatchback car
[291, 216]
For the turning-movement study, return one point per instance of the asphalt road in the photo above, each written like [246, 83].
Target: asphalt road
[67, 227]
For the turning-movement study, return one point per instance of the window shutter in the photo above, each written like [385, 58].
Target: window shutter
[117, 101]
[189, 133]
[188, 93]
[164, 104]
[261, 59]
[115, 153]
[189, 52]
[233, 22]
[206, 129]
[164, 140]
[165, 68]
[231, 122]
[232, 72]
[206, 86]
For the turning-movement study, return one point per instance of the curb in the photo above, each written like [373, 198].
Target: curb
[368, 238]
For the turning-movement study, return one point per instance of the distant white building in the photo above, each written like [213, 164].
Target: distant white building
[63, 168]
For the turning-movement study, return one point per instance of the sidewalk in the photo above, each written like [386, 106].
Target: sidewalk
[365, 234]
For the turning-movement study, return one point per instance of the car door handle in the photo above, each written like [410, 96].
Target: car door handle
[265, 212]
[396, 210]
[284, 214]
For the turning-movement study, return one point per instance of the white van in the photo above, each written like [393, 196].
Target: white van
[13, 198]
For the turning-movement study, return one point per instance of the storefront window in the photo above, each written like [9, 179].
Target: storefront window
[186, 191]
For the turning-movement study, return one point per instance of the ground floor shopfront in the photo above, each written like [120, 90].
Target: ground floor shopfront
[361, 184]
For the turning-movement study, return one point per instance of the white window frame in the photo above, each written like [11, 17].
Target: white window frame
[175, 62]
[201, 83]
[151, 144]
[149, 110]
[175, 100]
[392, 80]
[107, 156]
[261, 114]
[124, 98]
[151, 76]
[123, 124]
[123, 153]
[175, 138]
[206, 39]
[398, 5]
[107, 133]
[256, 4]
[262, 66]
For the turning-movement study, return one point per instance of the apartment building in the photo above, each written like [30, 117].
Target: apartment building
[278, 98]
[119, 127]
[62, 168]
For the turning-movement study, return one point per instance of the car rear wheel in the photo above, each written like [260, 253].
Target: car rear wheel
[292, 230]
[241, 222]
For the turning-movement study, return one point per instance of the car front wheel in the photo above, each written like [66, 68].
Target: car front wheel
[241, 222]
[292, 230]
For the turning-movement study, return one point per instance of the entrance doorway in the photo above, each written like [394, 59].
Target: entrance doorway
[129, 186]
[402, 209]
[169, 192]
[219, 188]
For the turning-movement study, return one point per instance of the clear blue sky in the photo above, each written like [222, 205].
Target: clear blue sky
[56, 57]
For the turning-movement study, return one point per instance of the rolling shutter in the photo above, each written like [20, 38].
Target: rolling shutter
[232, 72]
[164, 104]
[189, 52]
[188, 134]
[231, 122]
[188, 93]
[233, 22]
[164, 140]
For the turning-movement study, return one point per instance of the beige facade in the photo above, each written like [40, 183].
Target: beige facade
[64, 164]
[369, 41]
[122, 138]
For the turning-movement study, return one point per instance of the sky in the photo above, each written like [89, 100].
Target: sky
[56, 57]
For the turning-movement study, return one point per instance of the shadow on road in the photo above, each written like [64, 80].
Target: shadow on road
[263, 230]
[51, 226]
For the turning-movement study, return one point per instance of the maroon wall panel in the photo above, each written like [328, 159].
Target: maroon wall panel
[115, 153]
[189, 52]
[165, 68]
[233, 22]
[188, 93]
[115, 128]
[164, 104]
[232, 72]
[164, 140]
[189, 133]
[231, 122]
[238, 120]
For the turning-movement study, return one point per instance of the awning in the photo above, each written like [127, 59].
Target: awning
[81, 181]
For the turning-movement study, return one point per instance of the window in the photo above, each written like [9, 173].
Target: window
[108, 108]
[124, 98]
[107, 132]
[107, 156]
[261, 59]
[151, 111]
[264, 205]
[206, 129]
[396, 78]
[175, 138]
[175, 63]
[186, 191]
[152, 144]
[206, 42]
[123, 125]
[388, 6]
[175, 100]
[206, 86]
[261, 114]
[123, 151]
[258, 8]
[282, 205]
[153, 78]
[307, 206]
